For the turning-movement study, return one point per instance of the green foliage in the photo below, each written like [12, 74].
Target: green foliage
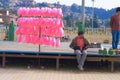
[4, 4]
[75, 8]
[69, 20]
[107, 22]
[78, 22]
[87, 22]
[96, 23]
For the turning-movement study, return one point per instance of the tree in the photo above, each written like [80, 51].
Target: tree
[57, 4]
[107, 23]
[4, 4]
[64, 8]
[78, 22]
[75, 8]
[96, 23]
[87, 22]
[69, 20]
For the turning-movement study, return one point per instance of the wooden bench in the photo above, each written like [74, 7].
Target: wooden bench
[91, 56]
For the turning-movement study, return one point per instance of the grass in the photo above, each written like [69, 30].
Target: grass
[98, 36]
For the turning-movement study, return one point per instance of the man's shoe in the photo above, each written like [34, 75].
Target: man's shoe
[80, 68]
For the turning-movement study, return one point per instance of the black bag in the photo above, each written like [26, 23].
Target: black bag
[76, 48]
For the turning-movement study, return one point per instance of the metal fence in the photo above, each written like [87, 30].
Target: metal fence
[106, 31]
[100, 35]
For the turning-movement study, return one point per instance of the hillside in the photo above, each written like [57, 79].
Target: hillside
[71, 14]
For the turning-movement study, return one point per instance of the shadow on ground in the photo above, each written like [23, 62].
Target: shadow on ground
[65, 65]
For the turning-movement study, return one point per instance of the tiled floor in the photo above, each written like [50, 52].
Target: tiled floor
[39, 74]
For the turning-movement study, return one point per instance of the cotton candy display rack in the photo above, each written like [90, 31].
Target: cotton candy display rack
[43, 26]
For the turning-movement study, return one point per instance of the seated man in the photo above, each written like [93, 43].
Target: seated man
[80, 44]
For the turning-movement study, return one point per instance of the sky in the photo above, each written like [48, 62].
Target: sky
[106, 4]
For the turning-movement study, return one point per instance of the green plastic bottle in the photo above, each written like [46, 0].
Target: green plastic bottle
[111, 52]
[104, 51]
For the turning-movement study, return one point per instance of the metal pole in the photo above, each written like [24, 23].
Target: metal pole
[39, 37]
[92, 15]
[83, 12]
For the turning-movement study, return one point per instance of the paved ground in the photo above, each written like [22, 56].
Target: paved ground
[38, 74]
[8, 45]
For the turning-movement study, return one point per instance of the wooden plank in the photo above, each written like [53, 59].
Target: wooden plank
[112, 59]
[67, 57]
[58, 62]
[112, 66]
[48, 56]
[1, 55]
[38, 62]
[3, 60]
[18, 55]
